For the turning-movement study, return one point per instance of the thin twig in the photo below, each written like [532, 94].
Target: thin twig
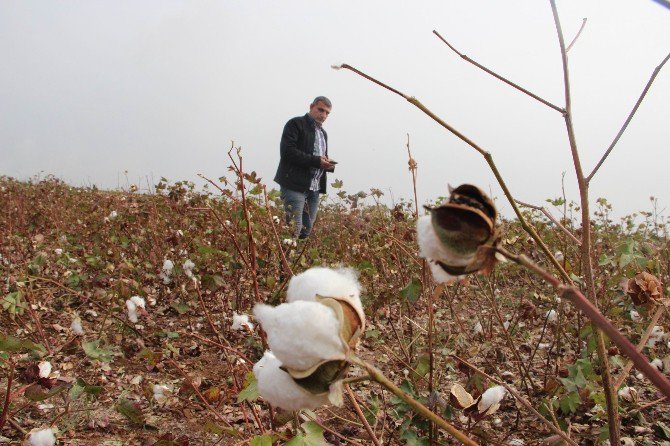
[629, 118]
[547, 214]
[497, 76]
[581, 28]
[5, 406]
[361, 417]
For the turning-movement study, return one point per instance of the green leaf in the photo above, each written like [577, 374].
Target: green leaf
[80, 386]
[12, 344]
[412, 439]
[250, 391]
[312, 436]
[213, 282]
[94, 351]
[662, 430]
[422, 366]
[130, 410]
[412, 290]
[570, 403]
[263, 440]
[180, 307]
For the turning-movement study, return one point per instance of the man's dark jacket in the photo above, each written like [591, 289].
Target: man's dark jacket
[297, 155]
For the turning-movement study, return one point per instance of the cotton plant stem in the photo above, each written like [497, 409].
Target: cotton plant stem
[547, 214]
[575, 297]
[361, 416]
[419, 408]
[630, 117]
[487, 156]
[8, 393]
[587, 267]
[284, 262]
[579, 33]
[519, 398]
[640, 345]
[497, 76]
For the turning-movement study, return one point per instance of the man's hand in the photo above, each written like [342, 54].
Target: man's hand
[326, 164]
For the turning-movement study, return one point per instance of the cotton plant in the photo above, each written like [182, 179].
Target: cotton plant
[241, 322]
[188, 268]
[41, 437]
[135, 305]
[166, 272]
[459, 236]
[310, 337]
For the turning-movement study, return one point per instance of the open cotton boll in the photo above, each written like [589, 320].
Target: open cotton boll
[656, 336]
[551, 316]
[431, 248]
[325, 282]
[478, 329]
[166, 271]
[240, 321]
[45, 369]
[301, 334]
[138, 301]
[44, 437]
[635, 316]
[558, 255]
[188, 267]
[279, 389]
[658, 363]
[76, 326]
[159, 392]
[132, 311]
[490, 398]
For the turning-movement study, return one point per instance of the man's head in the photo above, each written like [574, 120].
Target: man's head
[320, 108]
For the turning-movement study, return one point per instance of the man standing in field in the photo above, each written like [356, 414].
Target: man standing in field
[303, 165]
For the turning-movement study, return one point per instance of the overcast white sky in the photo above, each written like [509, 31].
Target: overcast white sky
[91, 89]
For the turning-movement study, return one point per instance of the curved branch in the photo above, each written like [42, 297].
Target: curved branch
[581, 28]
[497, 76]
[630, 117]
[489, 160]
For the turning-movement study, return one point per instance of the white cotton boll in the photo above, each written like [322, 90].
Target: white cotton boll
[138, 301]
[275, 219]
[431, 247]
[478, 329]
[159, 392]
[44, 437]
[491, 397]
[558, 255]
[656, 336]
[112, 215]
[628, 394]
[326, 282]
[516, 442]
[45, 369]
[279, 389]
[132, 311]
[635, 316]
[168, 266]
[658, 363]
[301, 334]
[76, 326]
[58, 251]
[544, 345]
[551, 316]
[506, 325]
[240, 321]
[188, 267]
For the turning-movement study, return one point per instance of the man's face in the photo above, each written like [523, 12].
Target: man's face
[319, 112]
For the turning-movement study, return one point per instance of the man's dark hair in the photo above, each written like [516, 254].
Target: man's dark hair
[323, 99]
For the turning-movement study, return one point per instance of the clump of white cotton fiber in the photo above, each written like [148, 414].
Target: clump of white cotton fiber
[134, 305]
[76, 327]
[166, 271]
[301, 334]
[188, 267]
[326, 282]
[491, 399]
[240, 321]
[431, 248]
[44, 368]
[656, 336]
[278, 388]
[159, 392]
[43, 437]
